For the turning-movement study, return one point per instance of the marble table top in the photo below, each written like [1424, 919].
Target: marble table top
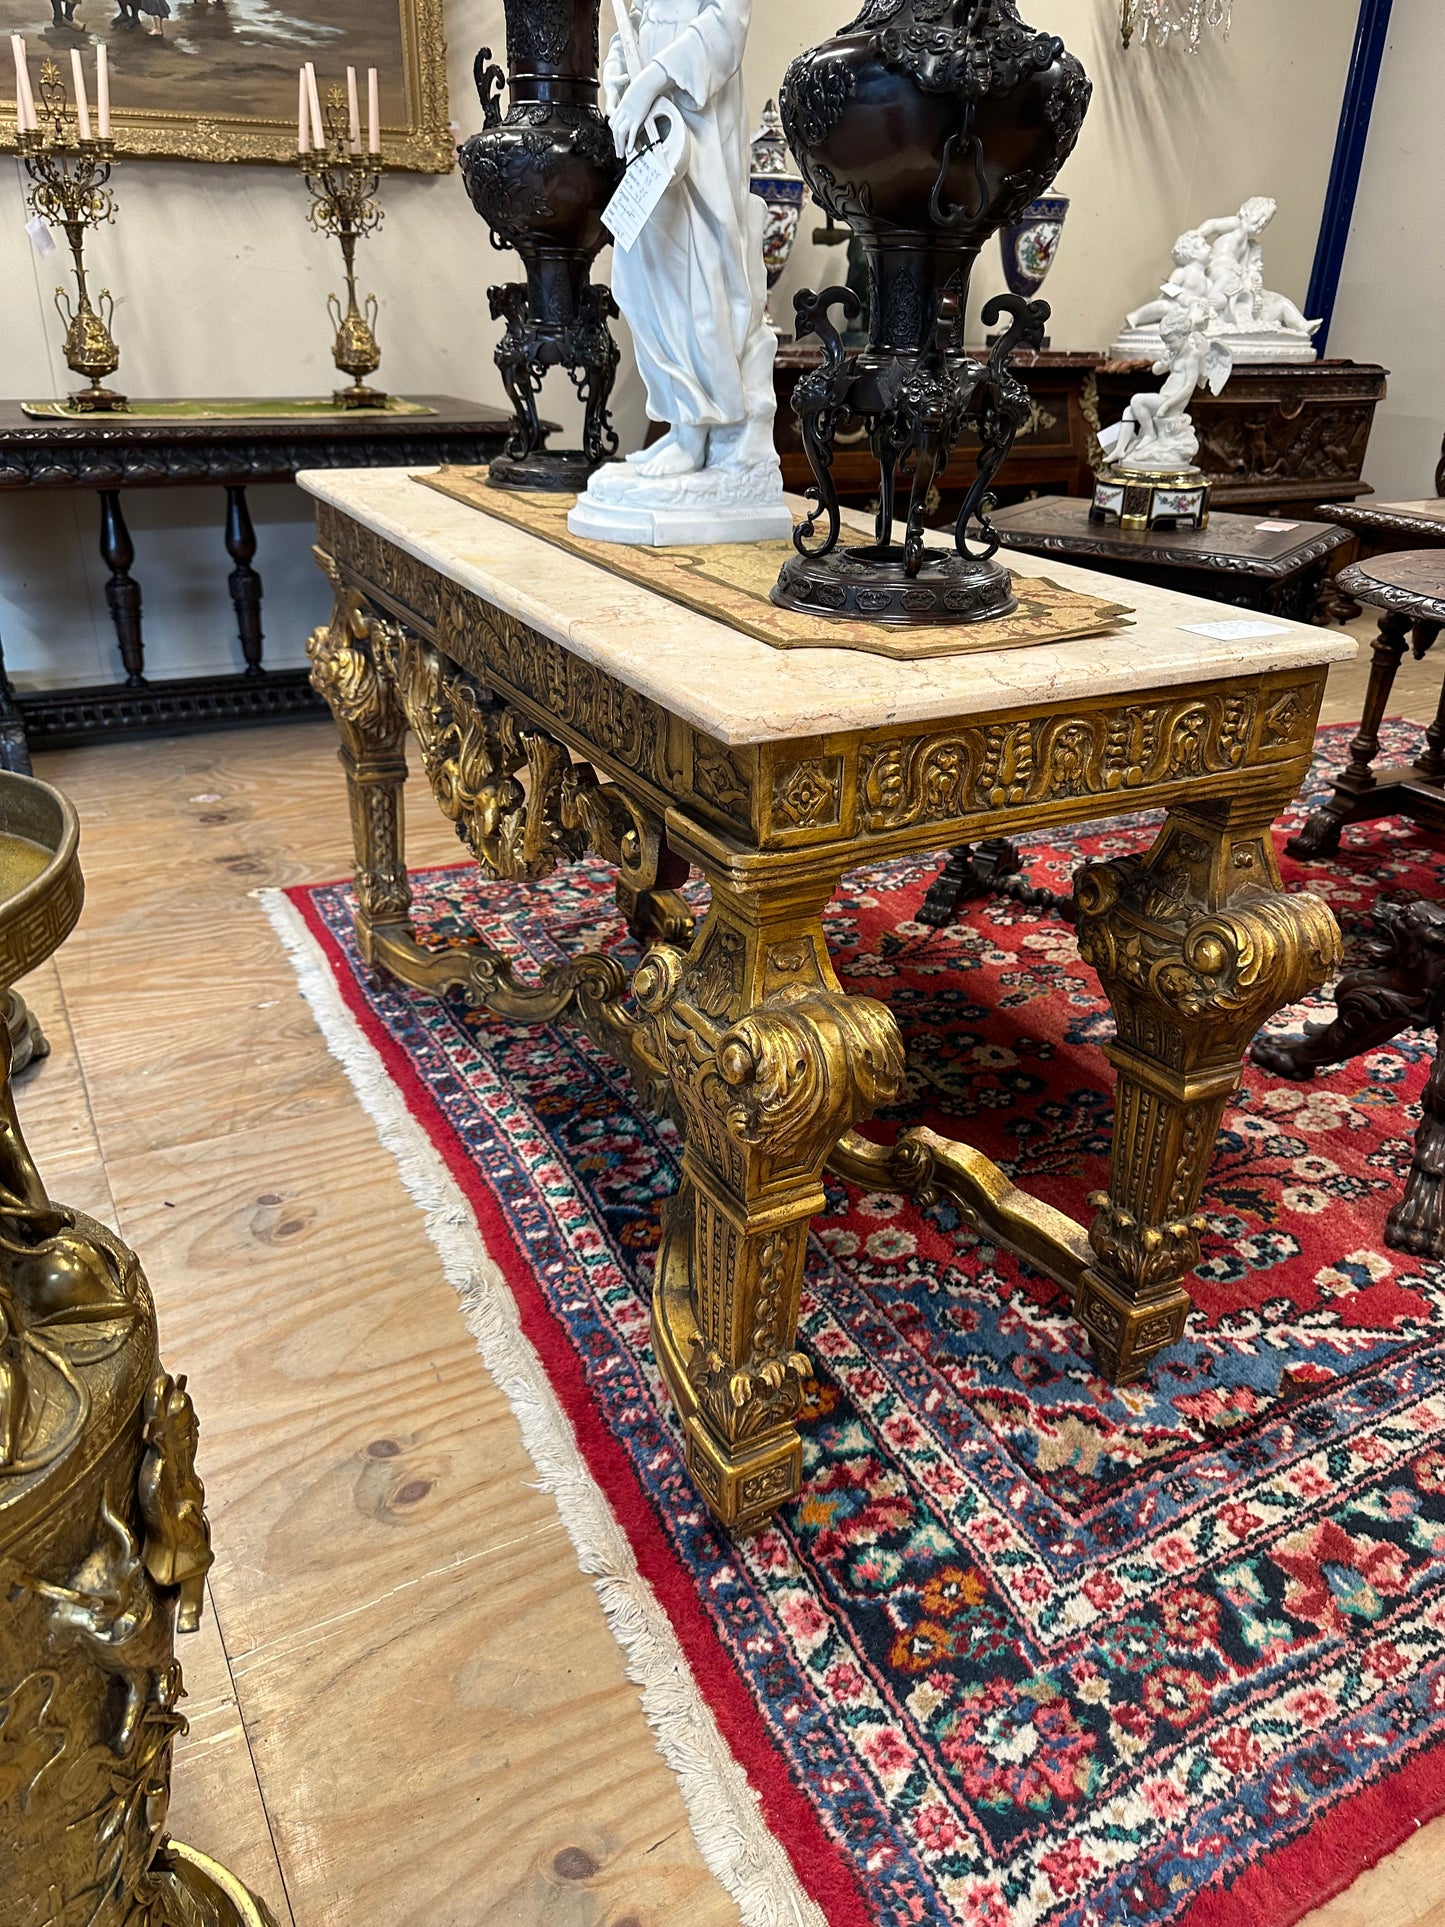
[740, 691]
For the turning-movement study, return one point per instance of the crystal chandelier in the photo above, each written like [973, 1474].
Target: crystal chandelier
[1164, 18]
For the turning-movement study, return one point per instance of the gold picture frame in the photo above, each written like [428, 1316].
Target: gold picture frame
[404, 39]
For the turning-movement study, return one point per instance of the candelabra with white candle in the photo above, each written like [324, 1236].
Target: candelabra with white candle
[68, 160]
[344, 179]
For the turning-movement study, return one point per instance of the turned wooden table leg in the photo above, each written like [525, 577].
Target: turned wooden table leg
[14, 746]
[364, 702]
[1196, 946]
[245, 584]
[770, 1063]
[1320, 834]
[122, 592]
[1430, 763]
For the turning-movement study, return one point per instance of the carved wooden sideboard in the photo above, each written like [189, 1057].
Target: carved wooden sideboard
[1285, 435]
[667, 742]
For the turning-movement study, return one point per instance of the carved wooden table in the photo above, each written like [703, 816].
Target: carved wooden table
[1410, 589]
[1278, 568]
[111, 453]
[774, 773]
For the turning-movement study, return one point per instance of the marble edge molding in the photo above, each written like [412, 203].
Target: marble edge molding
[757, 694]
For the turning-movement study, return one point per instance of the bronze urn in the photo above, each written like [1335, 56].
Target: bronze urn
[540, 178]
[925, 126]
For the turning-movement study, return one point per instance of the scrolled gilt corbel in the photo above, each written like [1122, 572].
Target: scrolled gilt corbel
[799, 1070]
[344, 674]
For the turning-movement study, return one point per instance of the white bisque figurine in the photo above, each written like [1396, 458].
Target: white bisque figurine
[693, 289]
[1156, 434]
[1222, 262]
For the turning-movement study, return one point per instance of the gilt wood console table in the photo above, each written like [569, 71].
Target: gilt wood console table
[668, 741]
[111, 453]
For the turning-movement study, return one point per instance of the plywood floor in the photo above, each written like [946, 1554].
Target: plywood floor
[406, 1709]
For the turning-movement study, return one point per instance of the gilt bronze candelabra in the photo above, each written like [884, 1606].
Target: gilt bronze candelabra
[344, 183]
[70, 191]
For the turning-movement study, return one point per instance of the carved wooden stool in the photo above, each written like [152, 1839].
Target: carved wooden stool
[1410, 589]
[1400, 985]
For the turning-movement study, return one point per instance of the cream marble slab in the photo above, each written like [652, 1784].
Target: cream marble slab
[1431, 510]
[741, 691]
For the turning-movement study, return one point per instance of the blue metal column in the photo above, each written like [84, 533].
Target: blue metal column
[1349, 158]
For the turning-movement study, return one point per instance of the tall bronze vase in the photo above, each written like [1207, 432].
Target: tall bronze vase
[925, 126]
[104, 1546]
[540, 179]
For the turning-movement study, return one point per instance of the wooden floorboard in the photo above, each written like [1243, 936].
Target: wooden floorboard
[407, 1710]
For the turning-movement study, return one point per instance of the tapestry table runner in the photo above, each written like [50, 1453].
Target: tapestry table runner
[731, 582]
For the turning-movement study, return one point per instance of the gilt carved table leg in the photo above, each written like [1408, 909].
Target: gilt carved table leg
[1320, 834]
[770, 1063]
[369, 717]
[1196, 946]
[1398, 985]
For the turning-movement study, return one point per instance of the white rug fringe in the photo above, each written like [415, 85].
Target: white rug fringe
[731, 1833]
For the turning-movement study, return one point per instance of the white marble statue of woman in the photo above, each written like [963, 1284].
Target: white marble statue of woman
[693, 290]
[1156, 433]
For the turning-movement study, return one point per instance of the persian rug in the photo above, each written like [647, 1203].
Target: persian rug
[1029, 1651]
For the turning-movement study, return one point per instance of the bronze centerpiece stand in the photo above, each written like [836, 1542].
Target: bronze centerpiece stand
[540, 179]
[70, 173]
[925, 126]
[344, 184]
[104, 1545]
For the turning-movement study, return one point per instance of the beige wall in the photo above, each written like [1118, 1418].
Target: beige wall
[1392, 291]
[223, 286]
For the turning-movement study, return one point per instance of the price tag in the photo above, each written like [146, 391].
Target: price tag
[1237, 631]
[647, 179]
[41, 239]
[1276, 528]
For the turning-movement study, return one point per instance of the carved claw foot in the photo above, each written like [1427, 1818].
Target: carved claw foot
[1319, 835]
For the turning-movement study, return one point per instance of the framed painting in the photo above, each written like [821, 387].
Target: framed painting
[215, 80]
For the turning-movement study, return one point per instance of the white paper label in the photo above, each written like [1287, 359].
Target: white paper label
[1276, 528]
[1237, 631]
[647, 179]
[41, 239]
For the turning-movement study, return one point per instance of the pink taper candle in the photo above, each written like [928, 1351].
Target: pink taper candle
[353, 111]
[102, 91]
[373, 113]
[313, 101]
[82, 105]
[303, 113]
[25, 121]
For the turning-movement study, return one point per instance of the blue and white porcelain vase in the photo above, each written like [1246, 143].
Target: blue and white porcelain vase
[1031, 242]
[779, 186]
